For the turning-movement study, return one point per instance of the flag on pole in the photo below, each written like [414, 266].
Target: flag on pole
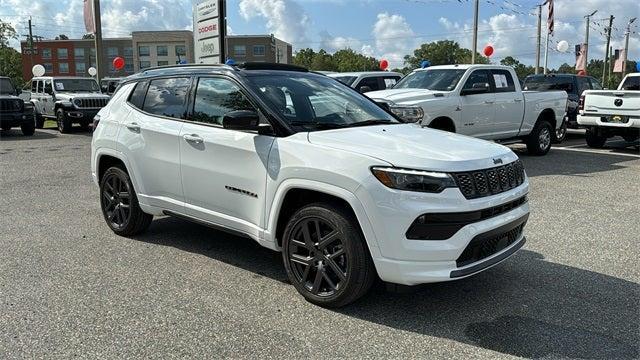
[550, 18]
[618, 66]
[581, 60]
[89, 23]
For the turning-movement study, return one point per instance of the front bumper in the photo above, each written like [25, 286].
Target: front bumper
[411, 262]
[79, 116]
[16, 118]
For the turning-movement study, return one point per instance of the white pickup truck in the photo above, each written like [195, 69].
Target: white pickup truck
[484, 101]
[608, 113]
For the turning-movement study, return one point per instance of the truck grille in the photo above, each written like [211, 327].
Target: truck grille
[10, 105]
[492, 181]
[92, 103]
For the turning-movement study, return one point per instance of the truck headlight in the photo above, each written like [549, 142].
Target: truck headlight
[413, 180]
[408, 114]
[76, 102]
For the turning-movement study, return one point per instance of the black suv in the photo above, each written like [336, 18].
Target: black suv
[14, 111]
[574, 85]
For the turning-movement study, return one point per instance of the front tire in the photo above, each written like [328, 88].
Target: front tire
[594, 140]
[64, 123]
[119, 204]
[326, 257]
[39, 121]
[29, 128]
[539, 141]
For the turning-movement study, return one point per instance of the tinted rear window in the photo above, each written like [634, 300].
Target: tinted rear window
[547, 83]
[631, 83]
[167, 97]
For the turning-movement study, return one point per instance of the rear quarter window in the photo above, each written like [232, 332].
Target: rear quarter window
[138, 94]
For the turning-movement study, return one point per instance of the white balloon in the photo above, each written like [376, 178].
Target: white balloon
[37, 70]
[92, 71]
[563, 46]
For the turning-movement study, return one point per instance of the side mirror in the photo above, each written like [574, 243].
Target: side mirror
[364, 89]
[476, 88]
[244, 120]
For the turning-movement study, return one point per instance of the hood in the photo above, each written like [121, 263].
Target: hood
[70, 95]
[402, 96]
[414, 147]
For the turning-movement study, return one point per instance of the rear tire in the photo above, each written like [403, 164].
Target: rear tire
[594, 140]
[64, 123]
[119, 204]
[326, 256]
[560, 134]
[539, 141]
[28, 129]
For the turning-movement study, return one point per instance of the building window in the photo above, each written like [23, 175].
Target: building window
[63, 67]
[163, 63]
[48, 68]
[145, 64]
[63, 53]
[78, 53]
[143, 51]
[162, 50]
[112, 51]
[240, 50]
[81, 68]
[46, 53]
[258, 50]
[128, 52]
[128, 68]
[181, 50]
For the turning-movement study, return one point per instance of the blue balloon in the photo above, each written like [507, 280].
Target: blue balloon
[425, 64]
[638, 66]
[230, 62]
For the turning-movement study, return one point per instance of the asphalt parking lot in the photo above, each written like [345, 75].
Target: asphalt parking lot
[70, 287]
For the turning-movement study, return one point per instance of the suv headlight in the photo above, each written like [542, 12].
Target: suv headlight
[76, 102]
[408, 114]
[413, 180]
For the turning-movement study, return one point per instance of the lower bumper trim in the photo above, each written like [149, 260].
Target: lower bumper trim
[483, 265]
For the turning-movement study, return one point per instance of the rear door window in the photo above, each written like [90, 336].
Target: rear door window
[167, 97]
[503, 81]
[40, 86]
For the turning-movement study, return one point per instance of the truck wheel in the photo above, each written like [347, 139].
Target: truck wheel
[594, 140]
[560, 134]
[64, 123]
[539, 141]
[28, 128]
[119, 204]
[326, 257]
[39, 121]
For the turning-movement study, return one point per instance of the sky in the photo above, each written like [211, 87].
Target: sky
[386, 29]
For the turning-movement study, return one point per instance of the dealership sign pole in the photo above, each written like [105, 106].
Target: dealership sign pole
[209, 31]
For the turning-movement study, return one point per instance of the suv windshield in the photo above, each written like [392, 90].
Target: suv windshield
[547, 83]
[6, 87]
[631, 83]
[76, 85]
[312, 102]
[437, 79]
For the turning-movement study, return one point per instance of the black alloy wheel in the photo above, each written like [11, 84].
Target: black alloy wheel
[116, 201]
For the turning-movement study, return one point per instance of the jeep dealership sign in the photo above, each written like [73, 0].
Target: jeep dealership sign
[209, 31]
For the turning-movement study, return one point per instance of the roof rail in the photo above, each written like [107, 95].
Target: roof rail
[270, 66]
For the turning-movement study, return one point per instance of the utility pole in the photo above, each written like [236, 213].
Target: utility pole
[586, 40]
[626, 47]
[612, 61]
[606, 56]
[475, 31]
[30, 43]
[98, 39]
[539, 36]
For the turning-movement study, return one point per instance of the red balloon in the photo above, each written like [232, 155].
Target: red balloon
[488, 50]
[384, 64]
[118, 63]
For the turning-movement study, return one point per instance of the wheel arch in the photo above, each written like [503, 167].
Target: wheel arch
[444, 123]
[294, 194]
[548, 115]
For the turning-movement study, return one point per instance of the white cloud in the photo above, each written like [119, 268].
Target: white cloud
[393, 38]
[334, 43]
[285, 18]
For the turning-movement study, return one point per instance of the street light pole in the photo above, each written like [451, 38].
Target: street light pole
[586, 40]
[626, 47]
[475, 31]
[98, 39]
[539, 36]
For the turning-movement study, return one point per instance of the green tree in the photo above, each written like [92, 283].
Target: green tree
[348, 60]
[522, 70]
[10, 58]
[323, 61]
[565, 69]
[304, 57]
[443, 52]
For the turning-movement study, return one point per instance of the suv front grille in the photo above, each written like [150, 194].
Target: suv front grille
[10, 105]
[476, 184]
[92, 103]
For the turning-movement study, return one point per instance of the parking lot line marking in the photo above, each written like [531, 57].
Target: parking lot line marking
[605, 152]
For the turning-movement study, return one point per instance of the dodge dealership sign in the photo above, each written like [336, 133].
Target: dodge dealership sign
[209, 31]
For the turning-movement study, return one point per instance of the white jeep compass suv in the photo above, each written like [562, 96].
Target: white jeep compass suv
[307, 166]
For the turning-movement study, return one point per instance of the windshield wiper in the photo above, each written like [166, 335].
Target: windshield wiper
[371, 122]
[318, 125]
